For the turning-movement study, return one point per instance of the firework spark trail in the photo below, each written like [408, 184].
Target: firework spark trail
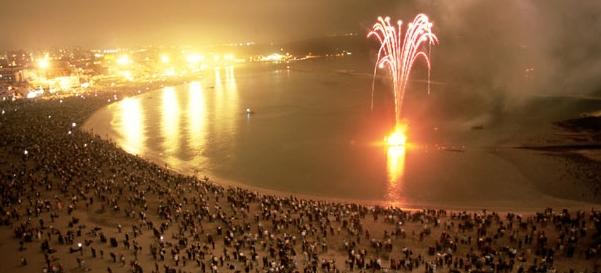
[398, 53]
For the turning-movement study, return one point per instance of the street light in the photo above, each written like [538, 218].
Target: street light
[123, 60]
[165, 58]
[194, 58]
[44, 63]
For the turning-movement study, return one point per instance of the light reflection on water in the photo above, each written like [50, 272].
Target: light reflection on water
[227, 102]
[311, 134]
[204, 114]
[170, 118]
[230, 79]
[395, 162]
[186, 120]
[196, 117]
[132, 125]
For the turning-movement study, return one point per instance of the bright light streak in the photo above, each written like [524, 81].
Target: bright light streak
[226, 99]
[132, 125]
[170, 121]
[218, 82]
[395, 163]
[196, 117]
[395, 159]
[399, 51]
[230, 78]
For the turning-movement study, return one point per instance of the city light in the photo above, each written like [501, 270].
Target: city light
[165, 59]
[35, 93]
[62, 71]
[123, 60]
[44, 62]
[194, 58]
[127, 75]
[275, 57]
[229, 57]
[170, 72]
[141, 136]
[66, 83]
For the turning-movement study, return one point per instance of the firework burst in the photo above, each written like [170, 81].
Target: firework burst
[398, 52]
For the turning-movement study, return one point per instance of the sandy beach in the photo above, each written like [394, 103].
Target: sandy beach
[73, 202]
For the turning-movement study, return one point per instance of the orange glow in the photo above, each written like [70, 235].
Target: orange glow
[170, 124]
[170, 72]
[123, 60]
[165, 58]
[396, 163]
[395, 160]
[132, 125]
[398, 137]
[196, 118]
[194, 58]
[44, 63]
[229, 57]
[127, 75]
[275, 57]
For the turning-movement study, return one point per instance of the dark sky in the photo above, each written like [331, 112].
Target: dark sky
[94, 23]
[495, 53]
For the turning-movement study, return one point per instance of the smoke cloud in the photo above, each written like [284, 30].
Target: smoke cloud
[497, 57]
[504, 52]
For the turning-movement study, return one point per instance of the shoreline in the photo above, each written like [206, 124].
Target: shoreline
[65, 190]
[500, 206]
[228, 183]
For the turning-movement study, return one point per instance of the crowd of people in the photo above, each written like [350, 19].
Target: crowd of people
[71, 201]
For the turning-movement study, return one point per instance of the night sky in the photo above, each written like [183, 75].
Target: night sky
[485, 45]
[43, 23]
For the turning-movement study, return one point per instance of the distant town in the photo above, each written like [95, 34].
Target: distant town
[31, 74]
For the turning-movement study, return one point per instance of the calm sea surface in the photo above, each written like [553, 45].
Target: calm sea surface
[311, 131]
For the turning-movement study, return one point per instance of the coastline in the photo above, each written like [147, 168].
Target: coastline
[507, 208]
[501, 206]
[94, 188]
